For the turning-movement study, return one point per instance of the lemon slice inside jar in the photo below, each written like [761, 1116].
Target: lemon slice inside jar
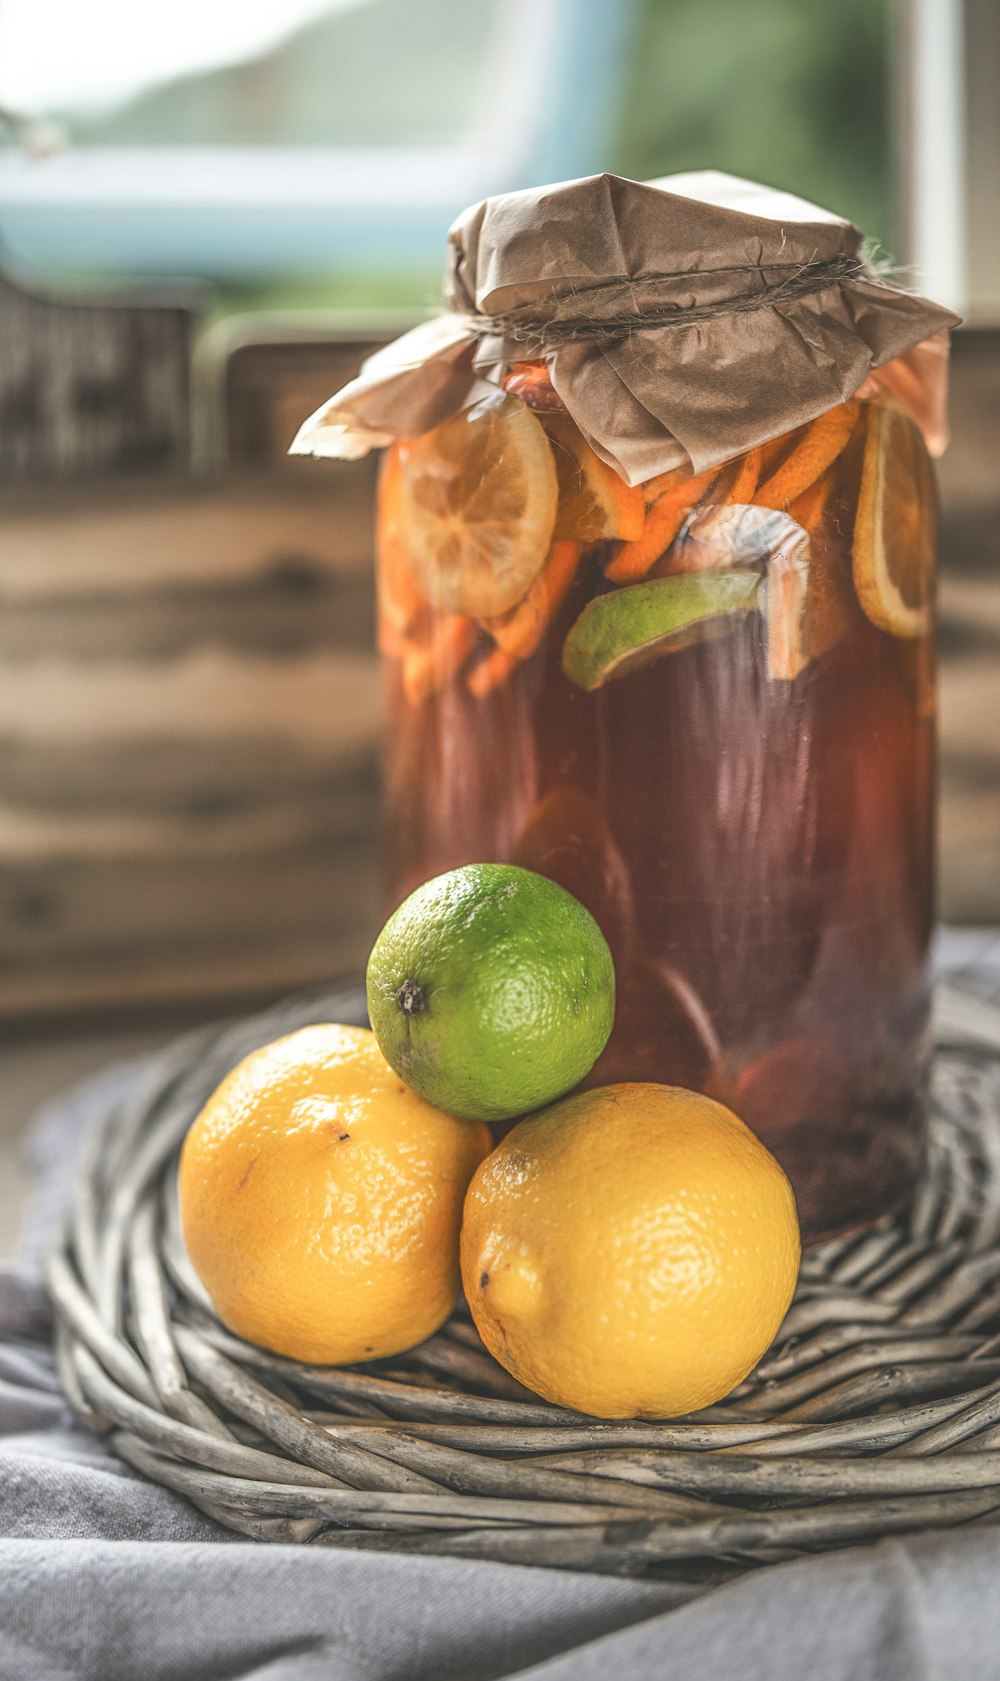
[477, 501]
[894, 532]
[630, 628]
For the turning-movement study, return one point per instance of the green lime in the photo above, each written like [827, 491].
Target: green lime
[491, 991]
[631, 627]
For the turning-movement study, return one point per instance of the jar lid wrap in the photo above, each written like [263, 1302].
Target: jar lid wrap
[683, 321]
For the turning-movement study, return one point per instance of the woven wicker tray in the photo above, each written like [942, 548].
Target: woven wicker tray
[877, 1411]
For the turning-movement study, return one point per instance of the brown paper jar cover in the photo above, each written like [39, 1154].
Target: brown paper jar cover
[683, 321]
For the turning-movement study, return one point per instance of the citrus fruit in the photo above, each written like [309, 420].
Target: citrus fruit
[477, 500]
[916, 667]
[671, 1037]
[532, 382]
[800, 1081]
[630, 1252]
[595, 503]
[436, 655]
[519, 632]
[321, 1200]
[619, 633]
[491, 991]
[399, 600]
[894, 531]
[568, 838]
[665, 517]
[814, 449]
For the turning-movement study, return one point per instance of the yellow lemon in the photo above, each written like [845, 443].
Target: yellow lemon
[630, 1251]
[321, 1200]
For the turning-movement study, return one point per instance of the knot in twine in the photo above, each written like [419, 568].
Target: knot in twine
[568, 317]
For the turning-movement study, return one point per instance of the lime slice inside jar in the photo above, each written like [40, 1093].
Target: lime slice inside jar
[630, 628]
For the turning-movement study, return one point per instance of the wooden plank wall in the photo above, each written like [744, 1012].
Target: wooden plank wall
[94, 387]
[969, 627]
[188, 697]
[189, 707]
[187, 741]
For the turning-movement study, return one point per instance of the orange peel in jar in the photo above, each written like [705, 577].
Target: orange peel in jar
[895, 530]
[916, 668]
[824, 439]
[595, 503]
[399, 600]
[490, 673]
[430, 662]
[655, 487]
[520, 631]
[477, 501]
[664, 519]
[532, 382]
[746, 474]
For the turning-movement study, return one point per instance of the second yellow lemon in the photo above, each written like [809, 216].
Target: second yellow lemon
[321, 1199]
[630, 1251]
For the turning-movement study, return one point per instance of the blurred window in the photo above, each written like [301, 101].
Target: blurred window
[312, 150]
[291, 136]
[796, 95]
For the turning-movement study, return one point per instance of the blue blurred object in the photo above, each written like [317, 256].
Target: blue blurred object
[543, 105]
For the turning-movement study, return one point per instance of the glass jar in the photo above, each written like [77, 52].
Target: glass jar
[705, 705]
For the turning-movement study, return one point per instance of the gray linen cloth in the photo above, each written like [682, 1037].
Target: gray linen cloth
[106, 1577]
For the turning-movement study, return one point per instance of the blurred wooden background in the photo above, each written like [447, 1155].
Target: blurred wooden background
[188, 696]
[969, 626]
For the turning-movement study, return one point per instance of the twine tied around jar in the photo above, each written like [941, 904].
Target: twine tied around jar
[563, 317]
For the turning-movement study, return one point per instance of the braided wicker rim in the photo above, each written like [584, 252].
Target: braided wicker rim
[877, 1410]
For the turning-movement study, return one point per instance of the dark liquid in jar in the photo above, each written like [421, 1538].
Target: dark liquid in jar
[758, 853]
